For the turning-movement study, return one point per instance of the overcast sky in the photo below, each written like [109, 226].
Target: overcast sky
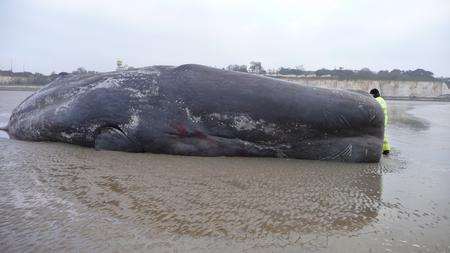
[56, 35]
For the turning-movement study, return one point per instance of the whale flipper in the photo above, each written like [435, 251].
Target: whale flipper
[111, 138]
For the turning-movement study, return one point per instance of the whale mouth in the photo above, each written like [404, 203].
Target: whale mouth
[112, 137]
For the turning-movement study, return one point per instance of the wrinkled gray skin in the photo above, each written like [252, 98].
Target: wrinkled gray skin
[198, 110]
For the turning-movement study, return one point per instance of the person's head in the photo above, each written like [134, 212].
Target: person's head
[375, 93]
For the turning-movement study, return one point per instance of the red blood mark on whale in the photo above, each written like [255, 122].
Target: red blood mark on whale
[200, 134]
[181, 130]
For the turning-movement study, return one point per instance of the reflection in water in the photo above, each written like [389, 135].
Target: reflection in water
[256, 201]
[400, 117]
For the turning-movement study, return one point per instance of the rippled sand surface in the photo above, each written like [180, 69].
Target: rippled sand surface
[59, 197]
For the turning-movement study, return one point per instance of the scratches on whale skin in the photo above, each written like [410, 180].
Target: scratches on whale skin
[194, 119]
[336, 120]
[133, 122]
[328, 117]
[344, 120]
[343, 155]
[244, 122]
[74, 94]
[107, 84]
[151, 91]
[70, 137]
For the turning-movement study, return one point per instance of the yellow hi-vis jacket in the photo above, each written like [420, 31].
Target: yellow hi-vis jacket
[383, 105]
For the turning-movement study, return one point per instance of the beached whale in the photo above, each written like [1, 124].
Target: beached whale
[199, 110]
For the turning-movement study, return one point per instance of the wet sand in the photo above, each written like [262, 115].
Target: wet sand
[59, 197]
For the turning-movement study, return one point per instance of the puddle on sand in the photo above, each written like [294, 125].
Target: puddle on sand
[58, 197]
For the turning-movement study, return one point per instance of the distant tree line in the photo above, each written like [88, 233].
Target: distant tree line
[341, 73]
[28, 78]
[24, 78]
[364, 74]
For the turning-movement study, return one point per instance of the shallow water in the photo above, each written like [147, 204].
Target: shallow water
[59, 197]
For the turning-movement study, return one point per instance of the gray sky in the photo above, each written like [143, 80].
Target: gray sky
[55, 35]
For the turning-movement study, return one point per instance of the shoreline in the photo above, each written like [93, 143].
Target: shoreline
[436, 99]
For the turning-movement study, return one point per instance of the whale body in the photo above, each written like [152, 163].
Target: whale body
[198, 110]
